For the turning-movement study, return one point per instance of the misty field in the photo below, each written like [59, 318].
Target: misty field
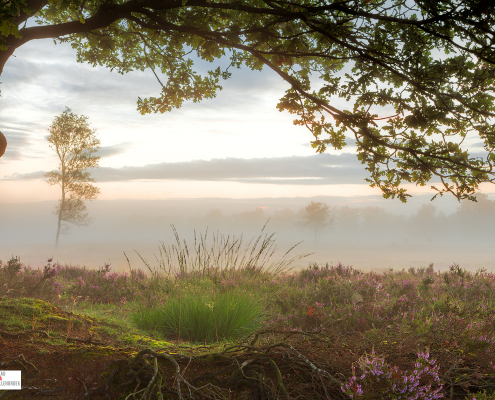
[220, 325]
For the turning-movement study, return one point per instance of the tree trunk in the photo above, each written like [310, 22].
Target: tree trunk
[62, 206]
[59, 223]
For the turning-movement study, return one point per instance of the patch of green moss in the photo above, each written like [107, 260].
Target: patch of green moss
[141, 340]
[27, 306]
[101, 351]
[55, 319]
[84, 317]
[21, 311]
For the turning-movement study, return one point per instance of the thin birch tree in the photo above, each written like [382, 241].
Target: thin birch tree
[74, 142]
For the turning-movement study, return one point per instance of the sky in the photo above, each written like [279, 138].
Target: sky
[232, 148]
[236, 145]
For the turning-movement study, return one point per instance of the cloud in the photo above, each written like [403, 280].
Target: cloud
[30, 175]
[18, 140]
[20, 71]
[320, 169]
[44, 76]
[109, 151]
[59, 81]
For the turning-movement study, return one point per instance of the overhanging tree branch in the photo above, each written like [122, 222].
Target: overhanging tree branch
[391, 54]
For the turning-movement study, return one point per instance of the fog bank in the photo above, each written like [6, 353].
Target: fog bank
[367, 233]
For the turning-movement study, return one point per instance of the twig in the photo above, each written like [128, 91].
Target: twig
[16, 335]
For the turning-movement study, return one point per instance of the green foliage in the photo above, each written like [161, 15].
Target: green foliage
[12, 267]
[203, 318]
[420, 78]
[484, 395]
[9, 11]
[428, 280]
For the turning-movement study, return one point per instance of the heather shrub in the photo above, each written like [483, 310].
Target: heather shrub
[105, 286]
[17, 279]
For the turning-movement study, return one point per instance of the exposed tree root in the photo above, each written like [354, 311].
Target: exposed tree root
[254, 369]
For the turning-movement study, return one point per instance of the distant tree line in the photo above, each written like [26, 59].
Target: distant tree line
[320, 223]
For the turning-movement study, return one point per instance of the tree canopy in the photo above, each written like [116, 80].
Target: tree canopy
[417, 76]
[316, 218]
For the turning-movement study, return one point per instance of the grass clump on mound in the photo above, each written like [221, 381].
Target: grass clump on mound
[203, 318]
[212, 296]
